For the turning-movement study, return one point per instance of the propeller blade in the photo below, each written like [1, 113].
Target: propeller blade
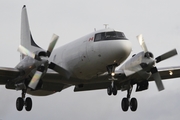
[25, 51]
[60, 70]
[52, 44]
[142, 43]
[157, 78]
[35, 80]
[166, 55]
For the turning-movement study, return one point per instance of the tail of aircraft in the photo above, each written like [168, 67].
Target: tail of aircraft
[26, 36]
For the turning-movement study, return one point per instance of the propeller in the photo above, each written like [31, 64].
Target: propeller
[52, 44]
[45, 63]
[142, 43]
[166, 55]
[35, 79]
[153, 69]
[25, 51]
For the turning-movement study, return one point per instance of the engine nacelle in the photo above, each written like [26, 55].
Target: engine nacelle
[142, 86]
[133, 65]
[137, 63]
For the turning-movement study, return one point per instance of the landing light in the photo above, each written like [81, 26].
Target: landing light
[112, 74]
[170, 73]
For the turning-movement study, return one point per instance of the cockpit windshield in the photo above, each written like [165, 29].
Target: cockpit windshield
[110, 36]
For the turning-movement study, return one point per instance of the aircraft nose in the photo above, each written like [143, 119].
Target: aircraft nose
[116, 50]
[123, 49]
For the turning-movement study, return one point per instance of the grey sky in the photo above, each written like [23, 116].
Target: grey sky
[157, 20]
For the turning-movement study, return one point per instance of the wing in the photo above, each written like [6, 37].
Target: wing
[102, 82]
[56, 82]
[7, 74]
[168, 73]
[51, 82]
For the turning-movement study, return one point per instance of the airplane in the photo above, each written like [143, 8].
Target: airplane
[88, 63]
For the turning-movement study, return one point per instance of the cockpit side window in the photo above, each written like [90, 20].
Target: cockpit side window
[98, 36]
[109, 36]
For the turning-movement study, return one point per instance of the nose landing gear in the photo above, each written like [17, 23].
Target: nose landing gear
[112, 89]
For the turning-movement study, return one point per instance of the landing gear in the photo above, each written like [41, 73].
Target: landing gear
[133, 104]
[21, 102]
[127, 102]
[112, 89]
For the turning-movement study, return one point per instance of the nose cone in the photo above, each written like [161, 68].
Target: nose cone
[116, 50]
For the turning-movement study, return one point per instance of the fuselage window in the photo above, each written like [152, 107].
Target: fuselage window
[110, 36]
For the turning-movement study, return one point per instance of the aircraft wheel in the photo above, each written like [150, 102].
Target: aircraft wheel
[133, 104]
[19, 103]
[114, 90]
[28, 104]
[125, 104]
[109, 90]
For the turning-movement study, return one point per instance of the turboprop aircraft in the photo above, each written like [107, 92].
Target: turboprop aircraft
[87, 63]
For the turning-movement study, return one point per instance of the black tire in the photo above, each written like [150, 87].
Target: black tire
[19, 103]
[28, 104]
[109, 90]
[125, 104]
[114, 90]
[133, 104]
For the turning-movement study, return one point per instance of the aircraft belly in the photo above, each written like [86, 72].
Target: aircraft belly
[40, 93]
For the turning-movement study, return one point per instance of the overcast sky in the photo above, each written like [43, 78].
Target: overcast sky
[157, 20]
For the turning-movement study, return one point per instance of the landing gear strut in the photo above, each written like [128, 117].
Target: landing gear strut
[21, 102]
[112, 89]
[127, 102]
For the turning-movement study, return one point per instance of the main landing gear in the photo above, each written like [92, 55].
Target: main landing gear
[22, 102]
[127, 102]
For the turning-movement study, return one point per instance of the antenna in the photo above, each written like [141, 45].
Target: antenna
[106, 25]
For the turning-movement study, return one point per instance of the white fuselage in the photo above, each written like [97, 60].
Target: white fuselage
[85, 58]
